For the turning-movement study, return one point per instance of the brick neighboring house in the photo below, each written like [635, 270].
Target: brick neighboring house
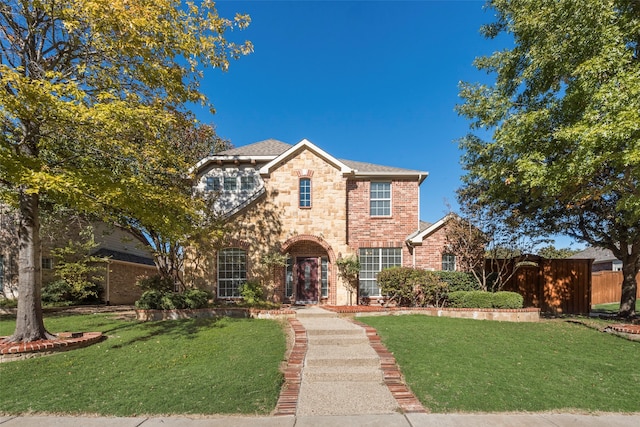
[128, 259]
[603, 259]
[301, 201]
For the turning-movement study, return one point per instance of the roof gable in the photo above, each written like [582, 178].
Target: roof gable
[418, 237]
[305, 144]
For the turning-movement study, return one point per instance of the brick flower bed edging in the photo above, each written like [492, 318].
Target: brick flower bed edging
[288, 399]
[505, 315]
[407, 401]
[65, 341]
[237, 312]
[625, 329]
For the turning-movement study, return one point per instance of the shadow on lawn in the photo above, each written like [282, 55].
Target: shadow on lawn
[184, 329]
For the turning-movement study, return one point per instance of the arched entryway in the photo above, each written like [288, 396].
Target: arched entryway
[310, 276]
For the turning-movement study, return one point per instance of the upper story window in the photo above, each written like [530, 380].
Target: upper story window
[230, 183]
[212, 183]
[305, 192]
[247, 183]
[380, 199]
[448, 262]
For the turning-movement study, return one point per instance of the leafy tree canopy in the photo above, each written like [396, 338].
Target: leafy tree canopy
[92, 91]
[564, 118]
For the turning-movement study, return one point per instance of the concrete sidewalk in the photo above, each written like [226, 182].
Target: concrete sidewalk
[383, 420]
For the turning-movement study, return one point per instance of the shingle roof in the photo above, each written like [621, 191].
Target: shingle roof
[597, 254]
[268, 147]
[273, 147]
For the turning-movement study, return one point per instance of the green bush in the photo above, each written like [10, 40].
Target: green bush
[172, 301]
[252, 292]
[150, 300]
[196, 298]
[458, 280]
[481, 299]
[505, 299]
[412, 287]
[62, 292]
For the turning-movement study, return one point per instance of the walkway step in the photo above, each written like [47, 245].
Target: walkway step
[337, 374]
[345, 398]
[338, 339]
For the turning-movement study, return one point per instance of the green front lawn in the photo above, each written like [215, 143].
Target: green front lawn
[470, 365]
[200, 366]
[611, 308]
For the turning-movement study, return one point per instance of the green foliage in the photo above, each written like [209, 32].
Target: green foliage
[482, 299]
[563, 116]
[60, 292]
[504, 299]
[157, 283]
[252, 292]
[458, 280]
[155, 299]
[412, 287]
[552, 252]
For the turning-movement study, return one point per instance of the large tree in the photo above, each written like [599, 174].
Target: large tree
[564, 119]
[88, 89]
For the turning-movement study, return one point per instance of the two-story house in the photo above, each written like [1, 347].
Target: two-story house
[302, 202]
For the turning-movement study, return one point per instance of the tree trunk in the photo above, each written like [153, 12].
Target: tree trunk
[629, 287]
[29, 321]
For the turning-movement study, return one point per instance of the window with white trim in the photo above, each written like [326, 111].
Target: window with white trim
[380, 199]
[305, 192]
[247, 183]
[373, 261]
[448, 262]
[47, 263]
[230, 183]
[232, 272]
[212, 183]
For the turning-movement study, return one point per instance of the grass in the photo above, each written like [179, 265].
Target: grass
[197, 366]
[611, 308]
[468, 365]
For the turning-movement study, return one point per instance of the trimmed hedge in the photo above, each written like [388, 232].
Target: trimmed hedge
[158, 300]
[458, 280]
[481, 299]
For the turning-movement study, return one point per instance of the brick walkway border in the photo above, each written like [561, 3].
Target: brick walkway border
[288, 400]
[65, 341]
[407, 401]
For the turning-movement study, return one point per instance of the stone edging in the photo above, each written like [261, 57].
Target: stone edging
[65, 341]
[407, 401]
[508, 315]
[288, 400]
[236, 312]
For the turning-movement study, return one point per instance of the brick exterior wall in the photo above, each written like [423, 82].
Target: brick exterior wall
[429, 255]
[120, 284]
[365, 231]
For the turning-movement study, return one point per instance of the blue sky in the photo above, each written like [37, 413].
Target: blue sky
[373, 81]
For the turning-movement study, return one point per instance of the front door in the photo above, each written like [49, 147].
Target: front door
[307, 280]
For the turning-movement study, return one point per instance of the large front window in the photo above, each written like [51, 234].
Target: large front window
[380, 199]
[232, 272]
[373, 261]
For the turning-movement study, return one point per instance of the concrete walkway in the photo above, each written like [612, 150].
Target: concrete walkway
[342, 373]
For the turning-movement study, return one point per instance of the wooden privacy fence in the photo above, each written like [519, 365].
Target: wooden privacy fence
[558, 286]
[606, 287]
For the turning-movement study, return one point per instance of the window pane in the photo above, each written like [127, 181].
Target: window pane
[247, 183]
[232, 272]
[230, 183]
[372, 261]
[448, 262]
[212, 183]
[380, 199]
[305, 192]
[289, 278]
[324, 276]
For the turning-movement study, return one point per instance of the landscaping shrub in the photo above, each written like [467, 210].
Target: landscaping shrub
[62, 292]
[196, 298]
[252, 292]
[505, 299]
[172, 301]
[412, 287]
[150, 300]
[458, 280]
[481, 299]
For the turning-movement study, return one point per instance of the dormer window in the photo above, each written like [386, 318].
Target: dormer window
[212, 183]
[247, 183]
[230, 183]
